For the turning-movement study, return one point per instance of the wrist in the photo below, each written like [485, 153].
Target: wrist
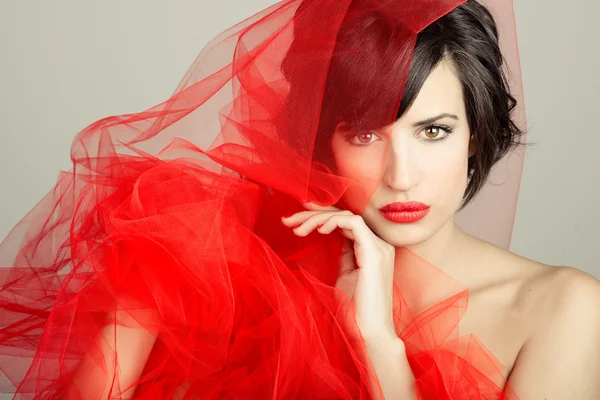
[385, 344]
[388, 360]
[381, 338]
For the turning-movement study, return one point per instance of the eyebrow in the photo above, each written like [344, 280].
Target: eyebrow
[433, 119]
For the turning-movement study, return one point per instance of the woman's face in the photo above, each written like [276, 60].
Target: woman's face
[422, 157]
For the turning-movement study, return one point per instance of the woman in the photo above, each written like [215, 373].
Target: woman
[161, 268]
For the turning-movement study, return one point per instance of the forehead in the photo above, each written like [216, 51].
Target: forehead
[441, 93]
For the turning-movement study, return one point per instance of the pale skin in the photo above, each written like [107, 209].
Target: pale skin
[542, 322]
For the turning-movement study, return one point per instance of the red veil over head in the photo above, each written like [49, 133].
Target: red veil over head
[176, 210]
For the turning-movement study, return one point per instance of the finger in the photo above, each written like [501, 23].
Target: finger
[351, 226]
[358, 236]
[303, 217]
[315, 207]
[347, 261]
[298, 218]
[312, 209]
[342, 220]
[313, 222]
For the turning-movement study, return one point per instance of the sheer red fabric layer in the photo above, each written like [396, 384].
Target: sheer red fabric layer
[170, 223]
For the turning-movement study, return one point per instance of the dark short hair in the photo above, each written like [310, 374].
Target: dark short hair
[467, 36]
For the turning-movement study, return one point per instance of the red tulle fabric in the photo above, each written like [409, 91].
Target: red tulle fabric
[170, 223]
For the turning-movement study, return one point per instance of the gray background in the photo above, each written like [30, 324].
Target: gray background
[67, 63]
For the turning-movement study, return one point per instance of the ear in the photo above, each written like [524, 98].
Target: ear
[472, 149]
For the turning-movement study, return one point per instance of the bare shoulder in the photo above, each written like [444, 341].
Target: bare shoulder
[558, 291]
[541, 321]
[560, 356]
[539, 294]
[571, 285]
[569, 297]
[539, 285]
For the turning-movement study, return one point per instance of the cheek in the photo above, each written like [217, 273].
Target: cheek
[364, 167]
[447, 175]
[360, 165]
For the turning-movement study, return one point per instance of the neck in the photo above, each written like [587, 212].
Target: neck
[444, 248]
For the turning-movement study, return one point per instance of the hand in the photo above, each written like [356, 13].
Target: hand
[366, 267]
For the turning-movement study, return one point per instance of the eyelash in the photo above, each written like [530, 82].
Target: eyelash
[444, 128]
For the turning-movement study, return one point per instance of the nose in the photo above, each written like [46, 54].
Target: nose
[400, 169]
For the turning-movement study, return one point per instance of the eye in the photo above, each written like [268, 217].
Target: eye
[362, 139]
[436, 132]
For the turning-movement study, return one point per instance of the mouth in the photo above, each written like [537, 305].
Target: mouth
[405, 213]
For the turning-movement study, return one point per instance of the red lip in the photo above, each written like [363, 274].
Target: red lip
[399, 207]
[405, 212]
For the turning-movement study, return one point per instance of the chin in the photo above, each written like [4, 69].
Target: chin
[399, 235]
[404, 237]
